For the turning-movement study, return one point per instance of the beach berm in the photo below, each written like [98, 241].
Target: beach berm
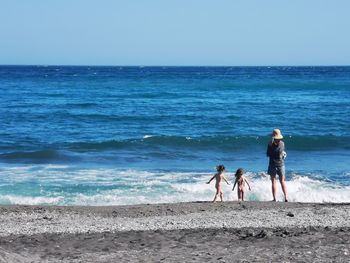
[177, 232]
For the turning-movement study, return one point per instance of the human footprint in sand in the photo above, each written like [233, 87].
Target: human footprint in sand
[219, 176]
[240, 181]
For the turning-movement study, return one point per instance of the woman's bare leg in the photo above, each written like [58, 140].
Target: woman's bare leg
[284, 187]
[273, 181]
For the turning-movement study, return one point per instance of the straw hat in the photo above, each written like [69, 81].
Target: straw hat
[276, 134]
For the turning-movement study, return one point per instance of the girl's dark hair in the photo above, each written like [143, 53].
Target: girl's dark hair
[239, 172]
[220, 168]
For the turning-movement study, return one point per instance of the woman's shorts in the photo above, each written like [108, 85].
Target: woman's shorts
[274, 170]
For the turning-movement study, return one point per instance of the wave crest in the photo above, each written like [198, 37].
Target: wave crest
[63, 186]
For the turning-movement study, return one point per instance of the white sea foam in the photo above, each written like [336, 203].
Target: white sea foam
[304, 189]
[30, 200]
[59, 185]
[300, 189]
[129, 199]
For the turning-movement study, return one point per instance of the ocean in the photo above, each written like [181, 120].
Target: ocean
[87, 135]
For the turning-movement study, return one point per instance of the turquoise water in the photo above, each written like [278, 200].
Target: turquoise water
[126, 135]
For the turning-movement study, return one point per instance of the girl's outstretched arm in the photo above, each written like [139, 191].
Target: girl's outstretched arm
[211, 179]
[234, 185]
[226, 180]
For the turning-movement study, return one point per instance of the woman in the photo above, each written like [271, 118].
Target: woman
[276, 153]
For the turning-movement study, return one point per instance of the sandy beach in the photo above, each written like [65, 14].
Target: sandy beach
[180, 232]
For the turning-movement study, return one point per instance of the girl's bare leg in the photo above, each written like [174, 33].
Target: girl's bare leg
[222, 196]
[218, 191]
[242, 194]
[238, 194]
[216, 197]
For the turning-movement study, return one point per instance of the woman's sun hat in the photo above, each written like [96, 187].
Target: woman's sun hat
[276, 134]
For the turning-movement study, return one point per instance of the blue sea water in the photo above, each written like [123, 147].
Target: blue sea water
[129, 135]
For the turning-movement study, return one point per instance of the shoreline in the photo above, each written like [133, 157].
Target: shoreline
[173, 232]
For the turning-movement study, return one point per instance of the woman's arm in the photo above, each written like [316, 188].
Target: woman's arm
[281, 149]
[268, 150]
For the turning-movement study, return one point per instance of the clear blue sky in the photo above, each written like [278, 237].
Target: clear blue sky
[175, 32]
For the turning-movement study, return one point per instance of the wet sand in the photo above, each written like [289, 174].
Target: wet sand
[182, 232]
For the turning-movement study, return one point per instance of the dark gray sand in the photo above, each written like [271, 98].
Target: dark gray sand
[183, 232]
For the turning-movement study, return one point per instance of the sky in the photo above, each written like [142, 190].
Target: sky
[175, 32]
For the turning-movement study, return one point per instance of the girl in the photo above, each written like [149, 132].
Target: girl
[240, 180]
[219, 176]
